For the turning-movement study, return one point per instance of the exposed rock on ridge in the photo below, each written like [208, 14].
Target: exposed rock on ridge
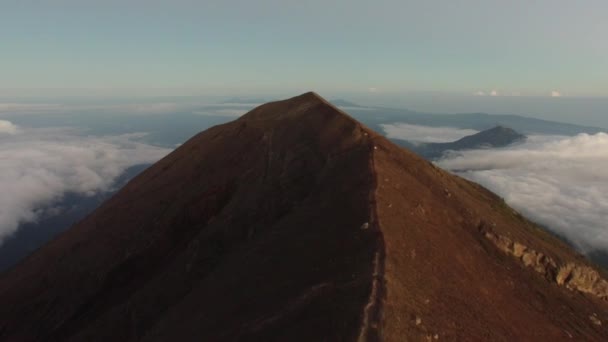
[573, 276]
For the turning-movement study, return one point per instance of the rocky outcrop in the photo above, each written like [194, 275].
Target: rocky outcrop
[582, 278]
[576, 277]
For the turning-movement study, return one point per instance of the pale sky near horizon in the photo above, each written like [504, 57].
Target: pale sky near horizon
[516, 47]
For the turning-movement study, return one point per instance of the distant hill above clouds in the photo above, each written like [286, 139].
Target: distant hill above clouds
[498, 136]
[376, 117]
[344, 103]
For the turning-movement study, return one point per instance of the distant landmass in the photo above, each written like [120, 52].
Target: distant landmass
[344, 103]
[498, 136]
[375, 117]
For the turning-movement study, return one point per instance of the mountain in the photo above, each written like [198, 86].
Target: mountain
[498, 136]
[297, 223]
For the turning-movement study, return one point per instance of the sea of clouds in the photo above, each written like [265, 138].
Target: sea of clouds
[39, 165]
[560, 182]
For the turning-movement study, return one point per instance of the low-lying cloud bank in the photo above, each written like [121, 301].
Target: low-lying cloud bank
[7, 127]
[425, 134]
[38, 166]
[8, 110]
[560, 182]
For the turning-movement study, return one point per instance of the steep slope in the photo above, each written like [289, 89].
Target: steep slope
[295, 222]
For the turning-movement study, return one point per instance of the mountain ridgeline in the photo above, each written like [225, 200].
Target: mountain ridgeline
[296, 222]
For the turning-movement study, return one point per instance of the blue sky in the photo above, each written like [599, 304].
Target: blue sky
[511, 47]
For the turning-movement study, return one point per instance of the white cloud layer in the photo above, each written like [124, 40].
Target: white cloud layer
[416, 133]
[38, 166]
[12, 110]
[555, 93]
[7, 127]
[559, 182]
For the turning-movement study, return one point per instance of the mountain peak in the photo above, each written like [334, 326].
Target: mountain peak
[312, 94]
[308, 97]
[501, 128]
[292, 107]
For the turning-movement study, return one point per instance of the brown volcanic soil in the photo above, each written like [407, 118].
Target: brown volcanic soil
[252, 230]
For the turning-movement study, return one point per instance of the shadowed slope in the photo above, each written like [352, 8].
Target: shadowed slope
[295, 222]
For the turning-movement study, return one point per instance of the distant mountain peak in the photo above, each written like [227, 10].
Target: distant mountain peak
[345, 103]
[500, 127]
[498, 136]
[495, 137]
